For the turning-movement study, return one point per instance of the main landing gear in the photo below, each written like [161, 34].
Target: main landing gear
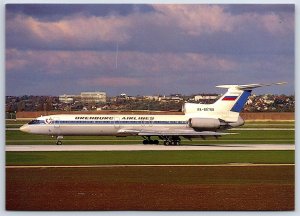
[167, 140]
[172, 140]
[148, 140]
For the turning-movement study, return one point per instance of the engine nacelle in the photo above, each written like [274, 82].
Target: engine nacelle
[204, 123]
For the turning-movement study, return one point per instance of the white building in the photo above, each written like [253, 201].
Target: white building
[66, 98]
[154, 98]
[85, 97]
[205, 97]
[93, 97]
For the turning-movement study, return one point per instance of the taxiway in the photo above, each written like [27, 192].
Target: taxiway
[141, 147]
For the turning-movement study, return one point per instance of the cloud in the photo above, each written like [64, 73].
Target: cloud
[130, 62]
[178, 22]
[207, 19]
[111, 81]
[56, 12]
[137, 72]
[195, 19]
[161, 46]
[73, 32]
[278, 25]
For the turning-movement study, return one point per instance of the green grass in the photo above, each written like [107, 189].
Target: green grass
[14, 121]
[290, 126]
[148, 157]
[13, 125]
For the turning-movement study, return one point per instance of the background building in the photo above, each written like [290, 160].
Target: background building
[205, 97]
[66, 98]
[93, 97]
[84, 97]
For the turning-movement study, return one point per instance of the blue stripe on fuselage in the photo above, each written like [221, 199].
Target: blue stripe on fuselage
[239, 105]
[76, 122]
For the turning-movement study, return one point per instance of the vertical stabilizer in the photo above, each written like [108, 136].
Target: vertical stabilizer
[228, 107]
[233, 101]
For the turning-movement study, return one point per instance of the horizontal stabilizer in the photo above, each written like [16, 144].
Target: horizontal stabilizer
[249, 86]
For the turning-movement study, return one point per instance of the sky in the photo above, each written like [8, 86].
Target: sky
[139, 49]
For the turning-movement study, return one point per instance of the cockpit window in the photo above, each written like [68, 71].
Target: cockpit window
[34, 122]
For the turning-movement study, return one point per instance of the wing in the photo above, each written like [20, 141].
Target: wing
[184, 133]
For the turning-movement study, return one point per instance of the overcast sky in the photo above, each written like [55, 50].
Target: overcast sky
[147, 49]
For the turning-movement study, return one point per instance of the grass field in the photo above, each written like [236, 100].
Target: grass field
[149, 157]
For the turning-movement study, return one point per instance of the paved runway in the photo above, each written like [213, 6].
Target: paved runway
[149, 147]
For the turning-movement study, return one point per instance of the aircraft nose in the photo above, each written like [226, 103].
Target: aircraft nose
[25, 128]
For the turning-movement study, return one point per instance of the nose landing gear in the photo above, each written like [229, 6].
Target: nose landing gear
[58, 140]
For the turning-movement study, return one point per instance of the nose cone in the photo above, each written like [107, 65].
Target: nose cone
[25, 128]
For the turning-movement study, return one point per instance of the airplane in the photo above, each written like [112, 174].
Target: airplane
[198, 121]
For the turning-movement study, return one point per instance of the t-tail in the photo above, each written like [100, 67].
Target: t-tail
[228, 107]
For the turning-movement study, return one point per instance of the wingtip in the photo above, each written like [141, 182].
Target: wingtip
[280, 83]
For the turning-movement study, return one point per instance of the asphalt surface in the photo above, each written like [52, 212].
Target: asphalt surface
[140, 147]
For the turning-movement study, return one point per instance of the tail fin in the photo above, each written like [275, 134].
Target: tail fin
[233, 101]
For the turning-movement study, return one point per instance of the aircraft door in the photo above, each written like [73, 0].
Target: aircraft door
[117, 122]
[56, 125]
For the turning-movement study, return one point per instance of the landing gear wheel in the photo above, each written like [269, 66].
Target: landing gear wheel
[166, 143]
[58, 142]
[173, 142]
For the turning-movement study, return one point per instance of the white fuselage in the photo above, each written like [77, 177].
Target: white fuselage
[104, 124]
